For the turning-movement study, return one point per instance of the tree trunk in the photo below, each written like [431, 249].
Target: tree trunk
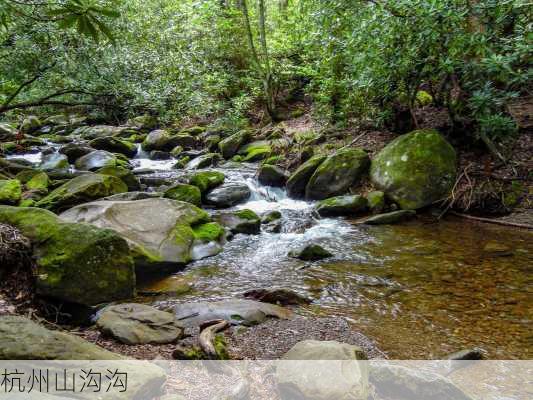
[267, 78]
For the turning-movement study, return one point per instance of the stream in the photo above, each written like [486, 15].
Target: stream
[421, 290]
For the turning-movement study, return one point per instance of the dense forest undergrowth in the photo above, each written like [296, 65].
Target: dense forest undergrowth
[367, 111]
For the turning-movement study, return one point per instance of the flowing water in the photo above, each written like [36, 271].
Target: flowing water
[421, 289]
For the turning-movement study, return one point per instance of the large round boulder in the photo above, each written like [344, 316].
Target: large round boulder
[10, 191]
[160, 231]
[183, 192]
[84, 188]
[337, 174]
[271, 175]
[416, 169]
[230, 146]
[96, 160]
[54, 161]
[76, 263]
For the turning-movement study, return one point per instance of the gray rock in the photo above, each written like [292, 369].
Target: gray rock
[158, 230]
[23, 339]
[298, 180]
[114, 145]
[228, 195]
[54, 161]
[391, 380]
[393, 217]
[376, 201]
[318, 370]
[310, 252]
[96, 160]
[139, 324]
[230, 146]
[281, 296]
[243, 221]
[133, 196]
[342, 205]
[238, 312]
[204, 161]
[271, 175]
[73, 151]
[160, 155]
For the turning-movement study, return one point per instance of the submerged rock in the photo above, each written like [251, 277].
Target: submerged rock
[159, 231]
[23, 339]
[243, 221]
[342, 205]
[96, 160]
[230, 146]
[323, 370]
[10, 191]
[114, 145]
[139, 324]
[271, 175]
[54, 161]
[337, 174]
[496, 249]
[228, 195]
[416, 169]
[298, 180]
[281, 296]
[82, 189]
[76, 263]
[310, 252]
[182, 192]
[393, 217]
[238, 312]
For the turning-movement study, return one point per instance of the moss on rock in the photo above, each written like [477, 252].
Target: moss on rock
[208, 232]
[298, 180]
[76, 263]
[82, 189]
[182, 192]
[207, 180]
[416, 169]
[10, 191]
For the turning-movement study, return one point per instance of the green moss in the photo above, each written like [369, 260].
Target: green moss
[8, 147]
[423, 98]
[207, 180]
[221, 347]
[27, 203]
[271, 217]
[182, 192]
[209, 232]
[10, 191]
[193, 130]
[257, 153]
[376, 201]
[182, 162]
[39, 182]
[82, 189]
[75, 262]
[237, 158]
[274, 160]
[124, 174]
[247, 215]
[176, 151]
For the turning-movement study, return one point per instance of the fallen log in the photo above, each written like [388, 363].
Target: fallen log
[492, 221]
[208, 332]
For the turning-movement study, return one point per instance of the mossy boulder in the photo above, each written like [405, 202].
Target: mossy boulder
[114, 145]
[255, 151]
[39, 181]
[230, 146]
[176, 151]
[310, 252]
[298, 180]
[204, 161]
[160, 231]
[242, 221]
[193, 130]
[10, 191]
[209, 232]
[124, 174]
[183, 192]
[159, 140]
[376, 201]
[84, 188]
[144, 122]
[76, 263]
[416, 169]
[54, 162]
[337, 174]
[342, 205]
[95, 160]
[30, 124]
[207, 180]
[271, 175]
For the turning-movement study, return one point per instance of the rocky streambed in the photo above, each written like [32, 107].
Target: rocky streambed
[209, 226]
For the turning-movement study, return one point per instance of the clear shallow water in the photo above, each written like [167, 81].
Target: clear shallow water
[421, 290]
